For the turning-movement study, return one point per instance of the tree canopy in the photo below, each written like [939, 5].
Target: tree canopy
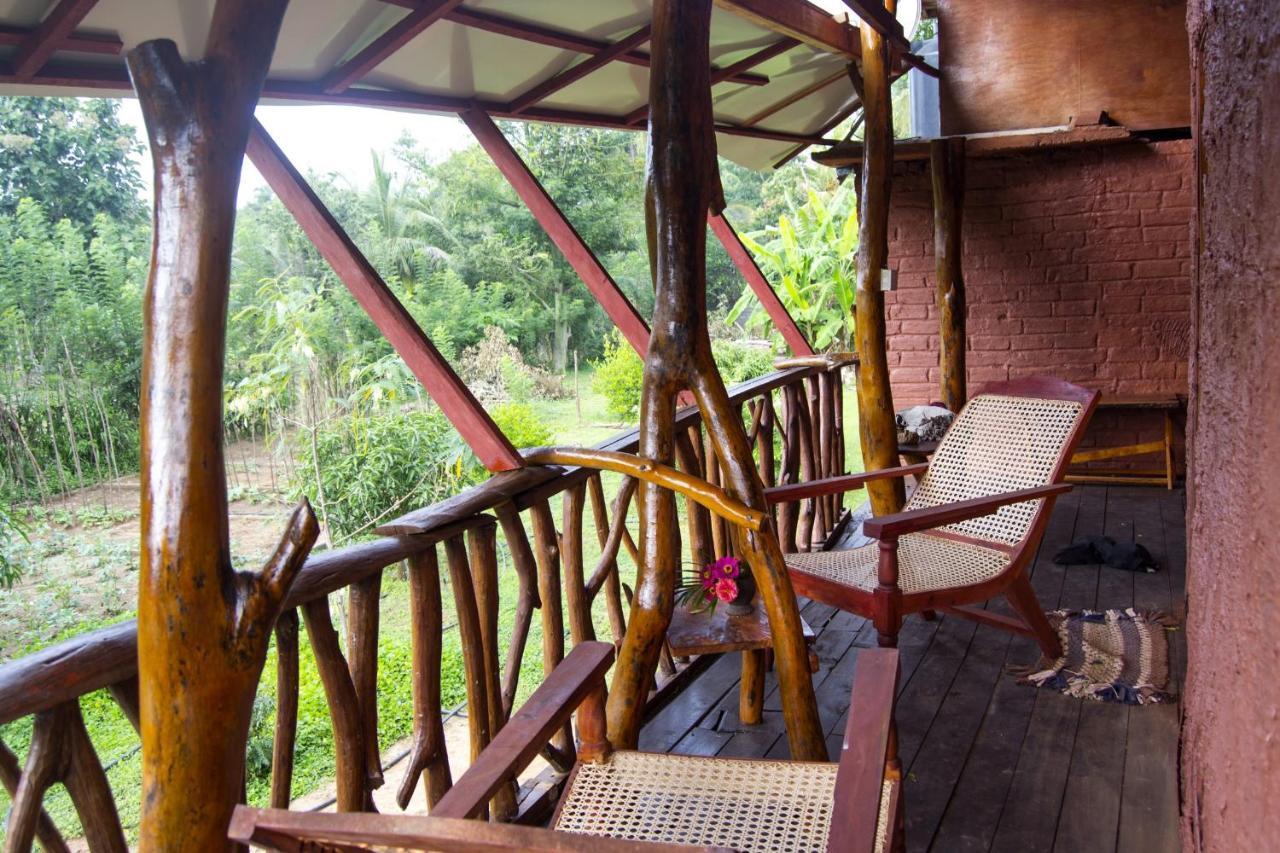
[73, 156]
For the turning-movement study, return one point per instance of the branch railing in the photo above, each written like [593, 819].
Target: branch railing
[795, 420]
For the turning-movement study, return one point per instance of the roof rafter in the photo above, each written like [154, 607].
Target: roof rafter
[801, 21]
[579, 70]
[376, 52]
[49, 35]
[116, 79]
[719, 76]
[793, 98]
[538, 34]
[77, 42]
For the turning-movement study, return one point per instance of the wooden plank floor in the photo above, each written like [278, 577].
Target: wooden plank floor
[991, 764]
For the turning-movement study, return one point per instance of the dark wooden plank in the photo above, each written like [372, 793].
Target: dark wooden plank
[937, 764]
[919, 701]
[673, 722]
[700, 741]
[970, 820]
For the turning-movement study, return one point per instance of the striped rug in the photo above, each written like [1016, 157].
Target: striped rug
[1109, 656]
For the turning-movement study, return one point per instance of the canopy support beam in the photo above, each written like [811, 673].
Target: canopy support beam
[380, 49]
[768, 297]
[566, 238]
[50, 35]
[203, 627]
[876, 424]
[946, 162]
[395, 322]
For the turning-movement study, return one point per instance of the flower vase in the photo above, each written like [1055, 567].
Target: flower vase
[743, 603]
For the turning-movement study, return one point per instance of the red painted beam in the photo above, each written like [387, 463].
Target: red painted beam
[539, 34]
[719, 76]
[376, 52]
[48, 36]
[109, 45]
[559, 229]
[578, 71]
[760, 285]
[392, 319]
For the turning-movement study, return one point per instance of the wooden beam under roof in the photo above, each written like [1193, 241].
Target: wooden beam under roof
[799, 20]
[795, 97]
[49, 35]
[115, 79]
[376, 52]
[109, 45]
[579, 70]
[719, 76]
[550, 37]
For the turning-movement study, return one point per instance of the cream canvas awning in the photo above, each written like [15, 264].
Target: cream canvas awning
[780, 65]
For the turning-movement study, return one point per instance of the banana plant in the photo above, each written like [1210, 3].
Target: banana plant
[809, 259]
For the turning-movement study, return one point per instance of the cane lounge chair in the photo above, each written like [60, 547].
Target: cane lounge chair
[637, 801]
[973, 523]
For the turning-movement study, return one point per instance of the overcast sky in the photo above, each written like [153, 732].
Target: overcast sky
[336, 139]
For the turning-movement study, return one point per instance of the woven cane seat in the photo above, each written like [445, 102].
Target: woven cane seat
[924, 563]
[741, 804]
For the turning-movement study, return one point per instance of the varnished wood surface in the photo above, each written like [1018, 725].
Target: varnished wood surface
[991, 765]
[707, 633]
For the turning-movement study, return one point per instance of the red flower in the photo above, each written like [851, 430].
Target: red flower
[727, 590]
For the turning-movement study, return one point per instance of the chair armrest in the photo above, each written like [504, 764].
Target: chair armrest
[699, 491]
[279, 829]
[926, 518]
[837, 485]
[860, 778]
[574, 679]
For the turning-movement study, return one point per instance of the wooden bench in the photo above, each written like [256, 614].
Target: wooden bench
[1168, 405]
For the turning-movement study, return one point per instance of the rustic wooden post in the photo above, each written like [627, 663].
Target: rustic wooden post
[202, 627]
[946, 161]
[876, 425]
[682, 187]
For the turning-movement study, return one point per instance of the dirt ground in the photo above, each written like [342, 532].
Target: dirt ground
[81, 557]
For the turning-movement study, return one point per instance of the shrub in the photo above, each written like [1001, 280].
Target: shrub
[384, 463]
[496, 371]
[521, 424]
[739, 361]
[619, 377]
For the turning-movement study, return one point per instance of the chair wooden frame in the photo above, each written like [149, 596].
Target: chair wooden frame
[887, 605]
[577, 685]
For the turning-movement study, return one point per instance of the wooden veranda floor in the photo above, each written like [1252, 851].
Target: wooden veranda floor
[991, 764]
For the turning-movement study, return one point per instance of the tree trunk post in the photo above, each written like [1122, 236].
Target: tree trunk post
[682, 186]
[946, 162]
[876, 424]
[203, 627]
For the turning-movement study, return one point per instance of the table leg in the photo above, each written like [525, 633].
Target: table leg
[751, 694]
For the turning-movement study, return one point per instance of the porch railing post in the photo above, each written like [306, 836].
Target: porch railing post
[203, 628]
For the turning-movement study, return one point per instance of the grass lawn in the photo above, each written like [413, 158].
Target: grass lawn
[573, 422]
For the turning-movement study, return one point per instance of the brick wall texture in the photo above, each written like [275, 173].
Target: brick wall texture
[1077, 264]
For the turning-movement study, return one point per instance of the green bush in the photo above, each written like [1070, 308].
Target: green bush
[738, 362]
[619, 378]
[521, 425]
[372, 465]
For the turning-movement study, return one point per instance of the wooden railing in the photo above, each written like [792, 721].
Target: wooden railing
[799, 440]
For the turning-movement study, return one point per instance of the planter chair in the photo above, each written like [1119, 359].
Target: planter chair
[637, 801]
[971, 526]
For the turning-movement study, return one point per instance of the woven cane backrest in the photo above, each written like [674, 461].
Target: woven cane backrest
[998, 444]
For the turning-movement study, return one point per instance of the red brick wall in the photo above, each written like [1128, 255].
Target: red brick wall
[1076, 264]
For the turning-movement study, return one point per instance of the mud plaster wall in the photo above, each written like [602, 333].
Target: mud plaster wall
[1231, 730]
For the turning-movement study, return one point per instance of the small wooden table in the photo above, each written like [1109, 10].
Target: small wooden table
[1168, 405]
[703, 633]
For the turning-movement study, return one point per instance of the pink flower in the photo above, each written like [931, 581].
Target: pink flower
[727, 590]
[725, 567]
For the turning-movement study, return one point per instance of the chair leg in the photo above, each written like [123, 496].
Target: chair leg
[1023, 599]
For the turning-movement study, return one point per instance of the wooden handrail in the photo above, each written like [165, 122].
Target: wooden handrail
[838, 485]
[705, 494]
